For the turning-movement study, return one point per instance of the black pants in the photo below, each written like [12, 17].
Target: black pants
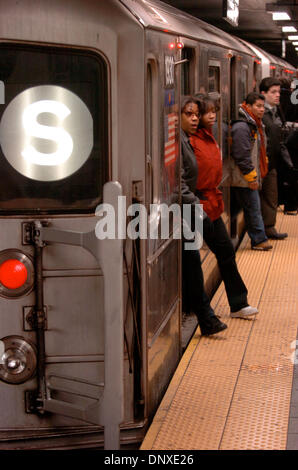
[195, 298]
[288, 189]
[219, 242]
[269, 199]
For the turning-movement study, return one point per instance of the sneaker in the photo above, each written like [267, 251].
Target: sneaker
[245, 312]
[215, 327]
[263, 246]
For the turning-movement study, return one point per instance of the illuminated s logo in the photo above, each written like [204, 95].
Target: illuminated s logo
[46, 133]
[58, 134]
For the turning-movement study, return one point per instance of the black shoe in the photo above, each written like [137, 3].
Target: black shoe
[215, 327]
[290, 212]
[274, 235]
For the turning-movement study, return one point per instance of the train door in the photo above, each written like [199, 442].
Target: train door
[220, 129]
[257, 74]
[214, 86]
[234, 104]
[54, 163]
[188, 70]
[163, 250]
[152, 130]
[239, 78]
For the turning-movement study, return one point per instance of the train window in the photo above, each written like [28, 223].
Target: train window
[150, 118]
[214, 86]
[53, 130]
[233, 89]
[187, 68]
[243, 83]
[255, 74]
[214, 78]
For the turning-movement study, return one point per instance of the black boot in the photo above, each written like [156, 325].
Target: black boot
[211, 326]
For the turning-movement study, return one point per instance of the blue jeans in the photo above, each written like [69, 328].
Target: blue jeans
[249, 200]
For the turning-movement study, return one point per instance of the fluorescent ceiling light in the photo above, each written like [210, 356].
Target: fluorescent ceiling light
[295, 43]
[296, 48]
[280, 16]
[293, 38]
[289, 29]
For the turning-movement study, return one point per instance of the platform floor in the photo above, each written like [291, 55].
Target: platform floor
[235, 390]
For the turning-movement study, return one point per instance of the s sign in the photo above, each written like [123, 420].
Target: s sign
[46, 133]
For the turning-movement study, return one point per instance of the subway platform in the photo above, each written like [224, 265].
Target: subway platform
[238, 390]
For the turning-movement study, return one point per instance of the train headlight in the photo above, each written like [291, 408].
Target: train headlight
[16, 273]
[18, 360]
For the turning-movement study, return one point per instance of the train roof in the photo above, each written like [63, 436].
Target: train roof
[158, 15]
[284, 63]
[268, 58]
[260, 54]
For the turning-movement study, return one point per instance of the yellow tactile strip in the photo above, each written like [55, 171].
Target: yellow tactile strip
[233, 390]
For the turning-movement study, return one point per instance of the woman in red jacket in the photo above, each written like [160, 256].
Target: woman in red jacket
[214, 231]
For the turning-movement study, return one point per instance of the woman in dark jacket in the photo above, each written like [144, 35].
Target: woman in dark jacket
[214, 230]
[195, 298]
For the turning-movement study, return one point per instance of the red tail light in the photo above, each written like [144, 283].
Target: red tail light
[16, 273]
[13, 274]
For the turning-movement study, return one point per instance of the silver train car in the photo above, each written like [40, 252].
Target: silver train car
[91, 326]
[271, 65]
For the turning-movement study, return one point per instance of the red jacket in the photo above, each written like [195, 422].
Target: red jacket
[210, 172]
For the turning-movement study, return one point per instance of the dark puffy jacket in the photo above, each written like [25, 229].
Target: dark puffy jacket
[245, 150]
[189, 174]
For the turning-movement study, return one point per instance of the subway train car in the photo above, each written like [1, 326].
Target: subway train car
[269, 64]
[91, 325]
